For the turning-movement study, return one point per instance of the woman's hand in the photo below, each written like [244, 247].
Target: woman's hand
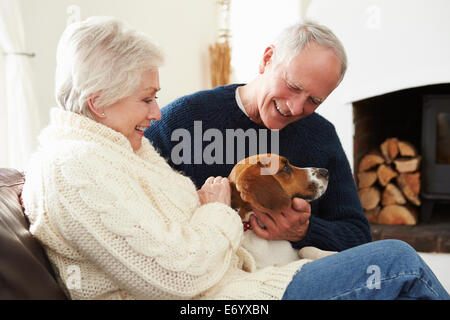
[215, 190]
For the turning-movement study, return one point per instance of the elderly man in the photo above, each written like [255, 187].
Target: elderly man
[296, 74]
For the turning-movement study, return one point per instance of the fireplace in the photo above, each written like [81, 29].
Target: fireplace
[420, 116]
[436, 152]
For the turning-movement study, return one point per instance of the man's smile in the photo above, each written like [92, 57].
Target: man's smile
[279, 110]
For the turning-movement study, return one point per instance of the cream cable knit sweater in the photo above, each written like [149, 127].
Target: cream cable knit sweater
[118, 224]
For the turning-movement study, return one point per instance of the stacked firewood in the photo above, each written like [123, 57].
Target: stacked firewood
[389, 183]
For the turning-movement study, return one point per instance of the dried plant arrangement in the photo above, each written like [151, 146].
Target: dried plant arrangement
[220, 63]
[220, 51]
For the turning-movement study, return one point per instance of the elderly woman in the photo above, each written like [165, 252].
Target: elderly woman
[109, 209]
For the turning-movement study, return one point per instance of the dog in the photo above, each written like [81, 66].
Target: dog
[268, 182]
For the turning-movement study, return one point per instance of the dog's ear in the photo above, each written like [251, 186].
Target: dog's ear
[262, 191]
[238, 203]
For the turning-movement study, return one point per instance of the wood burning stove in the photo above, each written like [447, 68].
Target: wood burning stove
[435, 152]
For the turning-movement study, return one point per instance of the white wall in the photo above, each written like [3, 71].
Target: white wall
[391, 45]
[184, 30]
[254, 26]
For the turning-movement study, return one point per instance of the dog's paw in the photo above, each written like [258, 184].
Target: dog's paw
[313, 253]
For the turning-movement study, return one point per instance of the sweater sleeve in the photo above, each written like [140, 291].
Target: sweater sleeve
[106, 216]
[337, 221]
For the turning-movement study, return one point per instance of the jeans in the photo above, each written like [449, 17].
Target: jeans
[382, 270]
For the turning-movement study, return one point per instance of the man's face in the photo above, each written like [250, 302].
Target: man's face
[290, 92]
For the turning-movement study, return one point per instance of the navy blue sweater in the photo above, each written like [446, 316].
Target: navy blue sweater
[337, 219]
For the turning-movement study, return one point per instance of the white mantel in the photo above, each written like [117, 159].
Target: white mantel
[391, 45]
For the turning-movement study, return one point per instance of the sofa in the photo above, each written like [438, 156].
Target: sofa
[25, 271]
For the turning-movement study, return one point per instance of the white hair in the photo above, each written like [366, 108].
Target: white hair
[101, 58]
[295, 37]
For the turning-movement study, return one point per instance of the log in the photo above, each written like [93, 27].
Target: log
[407, 164]
[389, 149]
[370, 161]
[398, 215]
[372, 215]
[366, 179]
[409, 187]
[413, 181]
[370, 197]
[396, 169]
[392, 195]
[385, 174]
[406, 149]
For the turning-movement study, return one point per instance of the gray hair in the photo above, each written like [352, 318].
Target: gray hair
[100, 57]
[294, 38]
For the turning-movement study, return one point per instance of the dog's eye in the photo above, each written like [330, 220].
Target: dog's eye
[287, 169]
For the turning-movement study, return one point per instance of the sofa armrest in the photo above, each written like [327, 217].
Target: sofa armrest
[25, 272]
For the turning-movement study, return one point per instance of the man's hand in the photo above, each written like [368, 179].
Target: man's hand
[291, 225]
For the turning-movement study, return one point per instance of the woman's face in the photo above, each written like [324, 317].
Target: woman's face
[132, 115]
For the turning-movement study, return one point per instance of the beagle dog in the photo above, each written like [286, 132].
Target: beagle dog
[268, 182]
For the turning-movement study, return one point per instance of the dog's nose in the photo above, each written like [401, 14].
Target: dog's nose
[323, 173]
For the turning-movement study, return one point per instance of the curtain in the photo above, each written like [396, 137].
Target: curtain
[19, 110]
